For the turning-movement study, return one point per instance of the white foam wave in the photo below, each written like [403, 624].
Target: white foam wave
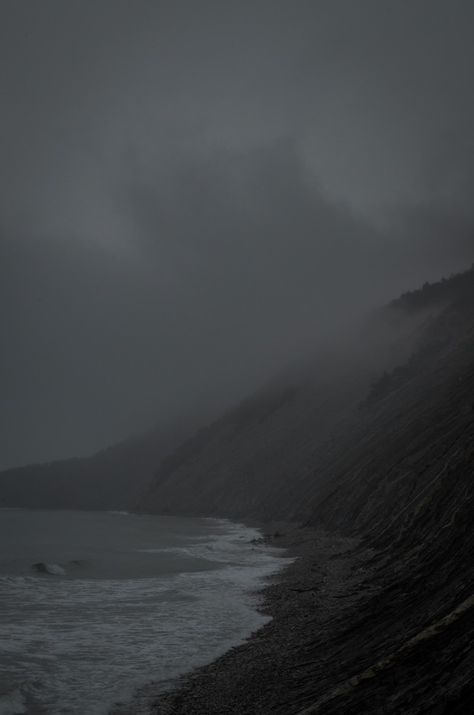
[51, 569]
[76, 639]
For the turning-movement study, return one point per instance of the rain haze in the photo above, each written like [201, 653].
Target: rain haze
[193, 194]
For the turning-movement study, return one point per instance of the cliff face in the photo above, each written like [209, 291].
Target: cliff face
[114, 478]
[347, 426]
[246, 463]
[378, 619]
[403, 481]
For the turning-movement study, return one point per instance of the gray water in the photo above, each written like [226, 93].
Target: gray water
[94, 605]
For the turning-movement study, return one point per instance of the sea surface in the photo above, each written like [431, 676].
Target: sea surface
[94, 605]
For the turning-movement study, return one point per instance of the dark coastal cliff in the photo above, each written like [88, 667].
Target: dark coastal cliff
[404, 484]
[383, 621]
[282, 452]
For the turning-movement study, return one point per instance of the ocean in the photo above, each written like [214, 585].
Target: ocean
[96, 605]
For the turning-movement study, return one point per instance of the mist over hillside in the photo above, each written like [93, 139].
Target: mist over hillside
[192, 198]
[272, 455]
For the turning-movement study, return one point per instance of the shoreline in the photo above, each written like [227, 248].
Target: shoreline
[247, 678]
[273, 537]
[253, 677]
[349, 635]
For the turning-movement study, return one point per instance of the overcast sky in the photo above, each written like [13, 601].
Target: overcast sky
[194, 192]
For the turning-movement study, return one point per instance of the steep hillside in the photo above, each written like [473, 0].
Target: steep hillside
[242, 464]
[378, 614]
[273, 455]
[114, 478]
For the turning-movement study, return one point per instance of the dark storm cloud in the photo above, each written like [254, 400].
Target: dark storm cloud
[193, 194]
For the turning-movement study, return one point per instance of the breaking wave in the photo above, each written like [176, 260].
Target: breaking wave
[51, 569]
[66, 642]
